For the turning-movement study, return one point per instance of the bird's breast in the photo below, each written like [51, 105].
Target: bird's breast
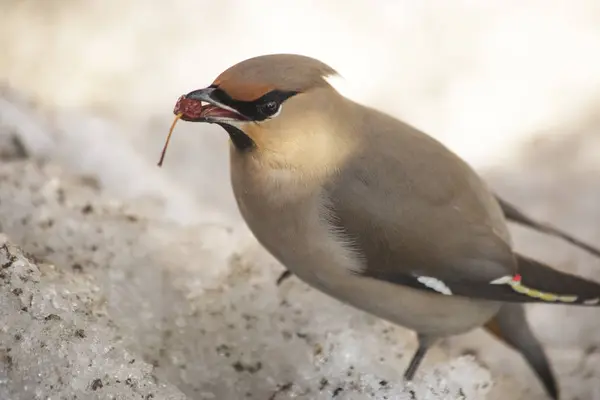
[289, 217]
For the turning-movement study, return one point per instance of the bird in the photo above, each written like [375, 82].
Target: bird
[375, 213]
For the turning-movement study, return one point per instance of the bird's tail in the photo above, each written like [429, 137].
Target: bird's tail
[538, 283]
[511, 326]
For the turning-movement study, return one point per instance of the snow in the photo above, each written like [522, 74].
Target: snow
[58, 343]
[155, 264]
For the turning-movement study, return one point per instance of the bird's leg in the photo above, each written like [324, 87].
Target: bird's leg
[424, 344]
[284, 275]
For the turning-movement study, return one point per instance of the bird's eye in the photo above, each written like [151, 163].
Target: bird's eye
[269, 108]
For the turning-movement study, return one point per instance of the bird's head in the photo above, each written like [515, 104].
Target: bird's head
[279, 103]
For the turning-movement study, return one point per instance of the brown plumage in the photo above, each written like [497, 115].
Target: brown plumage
[254, 78]
[376, 213]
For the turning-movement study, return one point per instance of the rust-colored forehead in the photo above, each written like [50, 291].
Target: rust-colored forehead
[252, 78]
[244, 91]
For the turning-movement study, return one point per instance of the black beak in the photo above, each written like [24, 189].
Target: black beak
[202, 95]
[214, 111]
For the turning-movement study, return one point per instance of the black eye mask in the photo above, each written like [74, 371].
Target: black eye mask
[255, 110]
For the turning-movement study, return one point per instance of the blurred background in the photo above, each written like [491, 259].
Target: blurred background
[490, 79]
[513, 86]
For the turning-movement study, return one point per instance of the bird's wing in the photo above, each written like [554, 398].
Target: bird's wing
[413, 209]
[441, 256]
[535, 283]
[420, 217]
[513, 214]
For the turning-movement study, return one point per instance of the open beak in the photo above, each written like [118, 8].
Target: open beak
[192, 108]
